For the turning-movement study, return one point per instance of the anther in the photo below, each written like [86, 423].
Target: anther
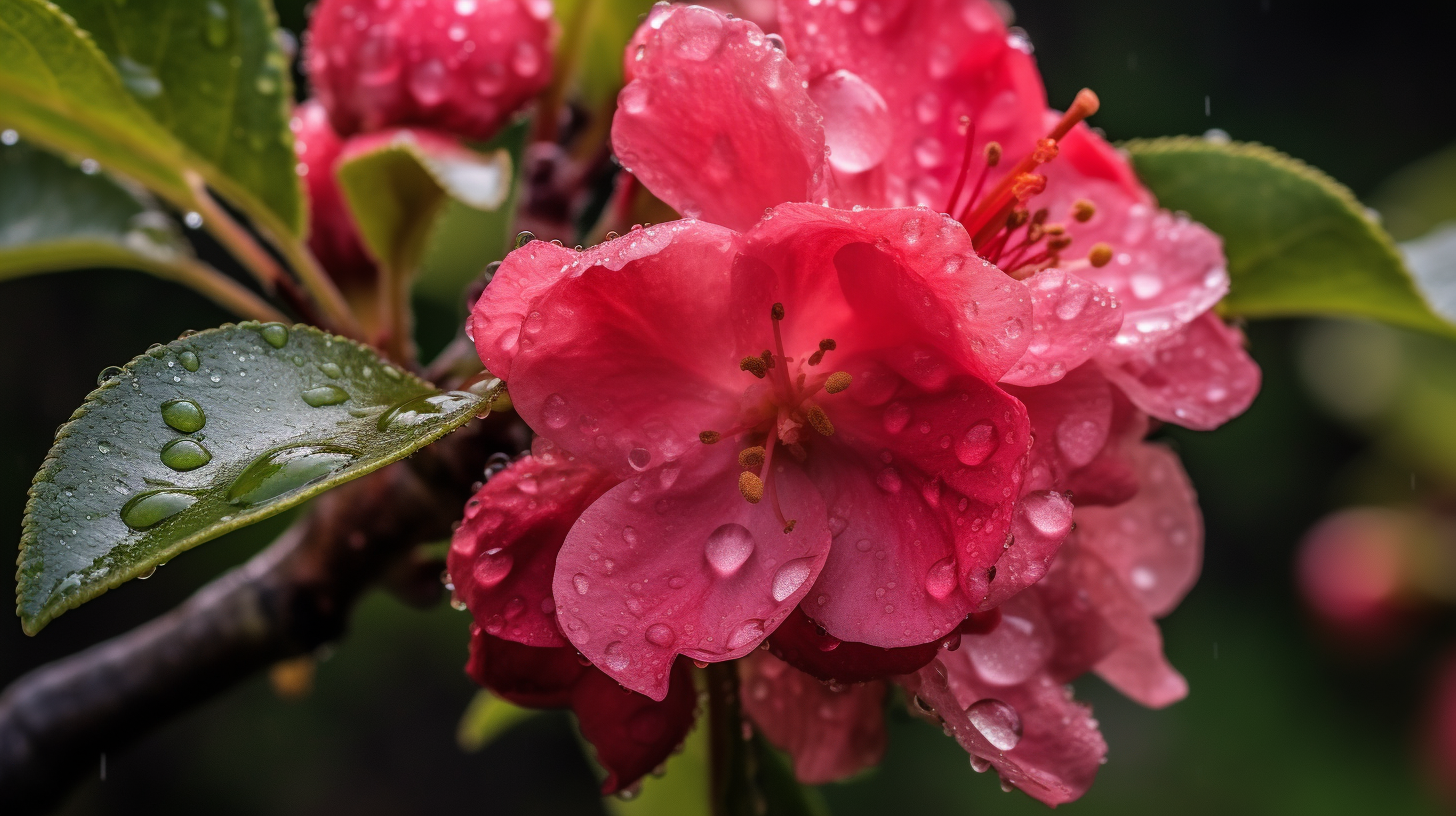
[1059, 243]
[709, 437]
[1045, 150]
[819, 420]
[838, 381]
[1100, 254]
[777, 312]
[993, 154]
[1083, 210]
[789, 528]
[828, 344]
[751, 458]
[754, 366]
[1017, 218]
[816, 358]
[768, 358]
[751, 487]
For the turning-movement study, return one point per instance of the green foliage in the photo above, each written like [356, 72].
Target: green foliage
[596, 33]
[54, 216]
[204, 435]
[486, 718]
[1419, 197]
[211, 73]
[1298, 243]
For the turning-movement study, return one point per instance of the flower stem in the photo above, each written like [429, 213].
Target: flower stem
[220, 289]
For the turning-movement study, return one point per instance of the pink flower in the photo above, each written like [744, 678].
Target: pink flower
[501, 562]
[461, 66]
[933, 103]
[332, 236]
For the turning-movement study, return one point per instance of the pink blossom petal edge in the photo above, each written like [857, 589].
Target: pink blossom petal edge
[1072, 320]
[675, 562]
[715, 121]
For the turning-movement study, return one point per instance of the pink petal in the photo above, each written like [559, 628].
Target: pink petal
[832, 732]
[808, 647]
[495, 322]
[503, 555]
[931, 62]
[1043, 519]
[1109, 479]
[1014, 650]
[332, 236]
[716, 121]
[631, 354]
[525, 675]
[675, 561]
[1072, 320]
[1199, 378]
[880, 278]
[1058, 750]
[920, 483]
[633, 734]
[1165, 271]
[1154, 542]
[1071, 420]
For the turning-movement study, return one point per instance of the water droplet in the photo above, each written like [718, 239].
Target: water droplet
[154, 506]
[998, 722]
[464, 8]
[138, 78]
[185, 454]
[940, 581]
[555, 412]
[580, 583]
[104, 447]
[193, 220]
[216, 31]
[633, 98]
[90, 167]
[660, 634]
[748, 632]
[189, 360]
[977, 444]
[324, 395]
[276, 334]
[284, 470]
[728, 548]
[857, 124]
[424, 408]
[149, 573]
[492, 567]
[889, 480]
[183, 415]
[524, 237]
[427, 83]
[527, 60]
[107, 374]
[896, 417]
[698, 39]
[331, 370]
[980, 765]
[615, 659]
[9, 137]
[639, 458]
[790, 577]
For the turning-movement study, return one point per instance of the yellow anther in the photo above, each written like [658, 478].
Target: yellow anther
[751, 487]
[1083, 210]
[1059, 243]
[1100, 254]
[709, 437]
[754, 366]
[1055, 229]
[777, 312]
[819, 420]
[838, 381]
[751, 458]
[1016, 219]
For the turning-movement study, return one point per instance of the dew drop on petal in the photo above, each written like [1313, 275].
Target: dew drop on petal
[555, 412]
[790, 577]
[660, 634]
[857, 124]
[998, 722]
[580, 583]
[728, 548]
[940, 581]
[977, 444]
[615, 659]
[639, 458]
[749, 631]
[492, 567]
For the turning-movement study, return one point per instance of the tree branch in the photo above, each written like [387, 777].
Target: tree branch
[288, 600]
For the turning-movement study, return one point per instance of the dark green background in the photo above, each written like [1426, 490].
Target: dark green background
[1278, 722]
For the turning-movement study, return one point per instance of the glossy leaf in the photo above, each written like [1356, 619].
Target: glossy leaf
[56, 216]
[1298, 243]
[486, 718]
[206, 434]
[210, 72]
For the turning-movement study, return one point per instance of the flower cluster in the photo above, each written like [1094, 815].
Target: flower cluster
[873, 413]
[444, 69]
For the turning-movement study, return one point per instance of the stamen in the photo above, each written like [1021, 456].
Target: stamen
[1083, 210]
[789, 528]
[1100, 254]
[955, 193]
[993, 154]
[750, 486]
[751, 458]
[754, 366]
[709, 437]
[777, 312]
[828, 344]
[838, 381]
[768, 358]
[816, 358]
[820, 420]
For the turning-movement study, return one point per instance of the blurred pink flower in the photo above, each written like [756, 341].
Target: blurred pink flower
[461, 66]
[1352, 570]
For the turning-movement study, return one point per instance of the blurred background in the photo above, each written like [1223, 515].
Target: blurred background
[1314, 673]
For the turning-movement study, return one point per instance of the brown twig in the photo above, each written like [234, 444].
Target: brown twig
[288, 600]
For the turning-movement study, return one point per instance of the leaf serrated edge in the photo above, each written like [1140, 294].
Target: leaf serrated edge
[54, 608]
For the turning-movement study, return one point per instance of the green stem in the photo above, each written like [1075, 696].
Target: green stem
[220, 289]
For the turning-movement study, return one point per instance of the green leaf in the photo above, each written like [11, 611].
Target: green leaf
[596, 33]
[206, 434]
[58, 88]
[55, 216]
[1298, 243]
[486, 718]
[212, 73]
